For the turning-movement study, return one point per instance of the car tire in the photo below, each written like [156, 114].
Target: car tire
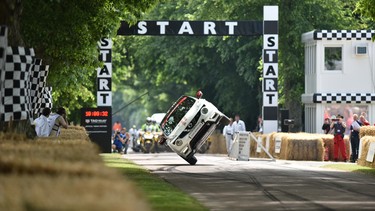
[192, 160]
[224, 120]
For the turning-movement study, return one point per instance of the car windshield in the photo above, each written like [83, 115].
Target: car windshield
[176, 113]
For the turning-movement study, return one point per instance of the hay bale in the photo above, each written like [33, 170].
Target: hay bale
[218, 144]
[365, 144]
[45, 174]
[41, 192]
[301, 146]
[367, 131]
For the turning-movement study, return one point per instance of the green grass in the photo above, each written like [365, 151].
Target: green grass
[352, 168]
[161, 194]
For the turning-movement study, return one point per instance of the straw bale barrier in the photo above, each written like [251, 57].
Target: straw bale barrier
[367, 131]
[365, 144]
[61, 174]
[367, 134]
[218, 144]
[295, 146]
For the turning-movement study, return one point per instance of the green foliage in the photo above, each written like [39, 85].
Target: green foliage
[65, 35]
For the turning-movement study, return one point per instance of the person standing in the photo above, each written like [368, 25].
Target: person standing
[238, 124]
[56, 121]
[363, 120]
[228, 134]
[41, 123]
[354, 137]
[326, 125]
[339, 127]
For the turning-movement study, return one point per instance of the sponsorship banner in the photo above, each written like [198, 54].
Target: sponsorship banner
[98, 122]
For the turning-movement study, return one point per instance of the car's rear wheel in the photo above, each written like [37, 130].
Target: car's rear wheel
[224, 120]
[192, 160]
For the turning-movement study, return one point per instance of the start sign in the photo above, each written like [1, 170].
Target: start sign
[104, 74]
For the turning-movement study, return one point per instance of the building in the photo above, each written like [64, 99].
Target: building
[339, 76]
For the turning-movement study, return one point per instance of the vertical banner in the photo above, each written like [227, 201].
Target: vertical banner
[98, 124]
[104, 74]
[270, 68]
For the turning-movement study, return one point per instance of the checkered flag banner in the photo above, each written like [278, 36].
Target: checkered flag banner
[38, 81]
[3, 46]
[358, 98]
[45, 101]
[344, 34]
[16, 75]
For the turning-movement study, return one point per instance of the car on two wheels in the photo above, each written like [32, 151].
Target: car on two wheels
[188, 124]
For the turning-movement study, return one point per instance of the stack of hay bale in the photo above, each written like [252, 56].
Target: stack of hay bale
[294, 146]
[367, 134]
[61, 174]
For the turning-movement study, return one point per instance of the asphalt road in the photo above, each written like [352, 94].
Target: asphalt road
[223, 184]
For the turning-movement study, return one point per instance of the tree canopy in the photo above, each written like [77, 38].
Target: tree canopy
[227, 69]
[64, 33]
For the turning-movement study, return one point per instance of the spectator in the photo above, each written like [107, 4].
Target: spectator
[116, 126]
[238, 124]
[56, 121]
[126, 138]
[259, 127]
[42, 127]
[326, 125]
[339, 126]
[354, 137]
[228, 134]
[118, 142]
[363, 120]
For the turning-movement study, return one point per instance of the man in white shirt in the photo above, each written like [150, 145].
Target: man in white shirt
[42, 124]
[228, 134]
[238, 124]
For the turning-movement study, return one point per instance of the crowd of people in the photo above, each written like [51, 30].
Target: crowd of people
[122, 139]
[337, 126]
[49, 124]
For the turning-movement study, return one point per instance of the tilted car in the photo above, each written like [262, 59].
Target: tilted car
[188, 124]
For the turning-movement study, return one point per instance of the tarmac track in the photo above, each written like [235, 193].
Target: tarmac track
[260, 184]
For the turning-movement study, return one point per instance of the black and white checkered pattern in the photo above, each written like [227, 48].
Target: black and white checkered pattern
[16, 96]
[44, 101]
[358, 98]
[38, 79]
[343, 34]
[3, 46]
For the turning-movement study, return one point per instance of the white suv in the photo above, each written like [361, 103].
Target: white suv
[188, 124]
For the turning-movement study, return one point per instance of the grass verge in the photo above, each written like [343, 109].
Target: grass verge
[160, 194]
[352, 168]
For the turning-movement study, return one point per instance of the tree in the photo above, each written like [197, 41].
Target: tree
[228, 69]
[65, 35]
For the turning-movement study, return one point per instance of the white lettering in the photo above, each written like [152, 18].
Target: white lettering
[142, 27]
[270, 85]
[209, 28]
[231, 26]
[103, 84]
[162, 25]
[185, 28]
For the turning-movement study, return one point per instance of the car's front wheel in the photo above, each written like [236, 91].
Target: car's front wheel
[192, 160]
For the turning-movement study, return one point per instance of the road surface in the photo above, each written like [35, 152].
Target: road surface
[223, 184]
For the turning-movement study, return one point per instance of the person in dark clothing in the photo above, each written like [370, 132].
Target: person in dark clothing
[339, 127]
[354, 137]
[326, 126]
